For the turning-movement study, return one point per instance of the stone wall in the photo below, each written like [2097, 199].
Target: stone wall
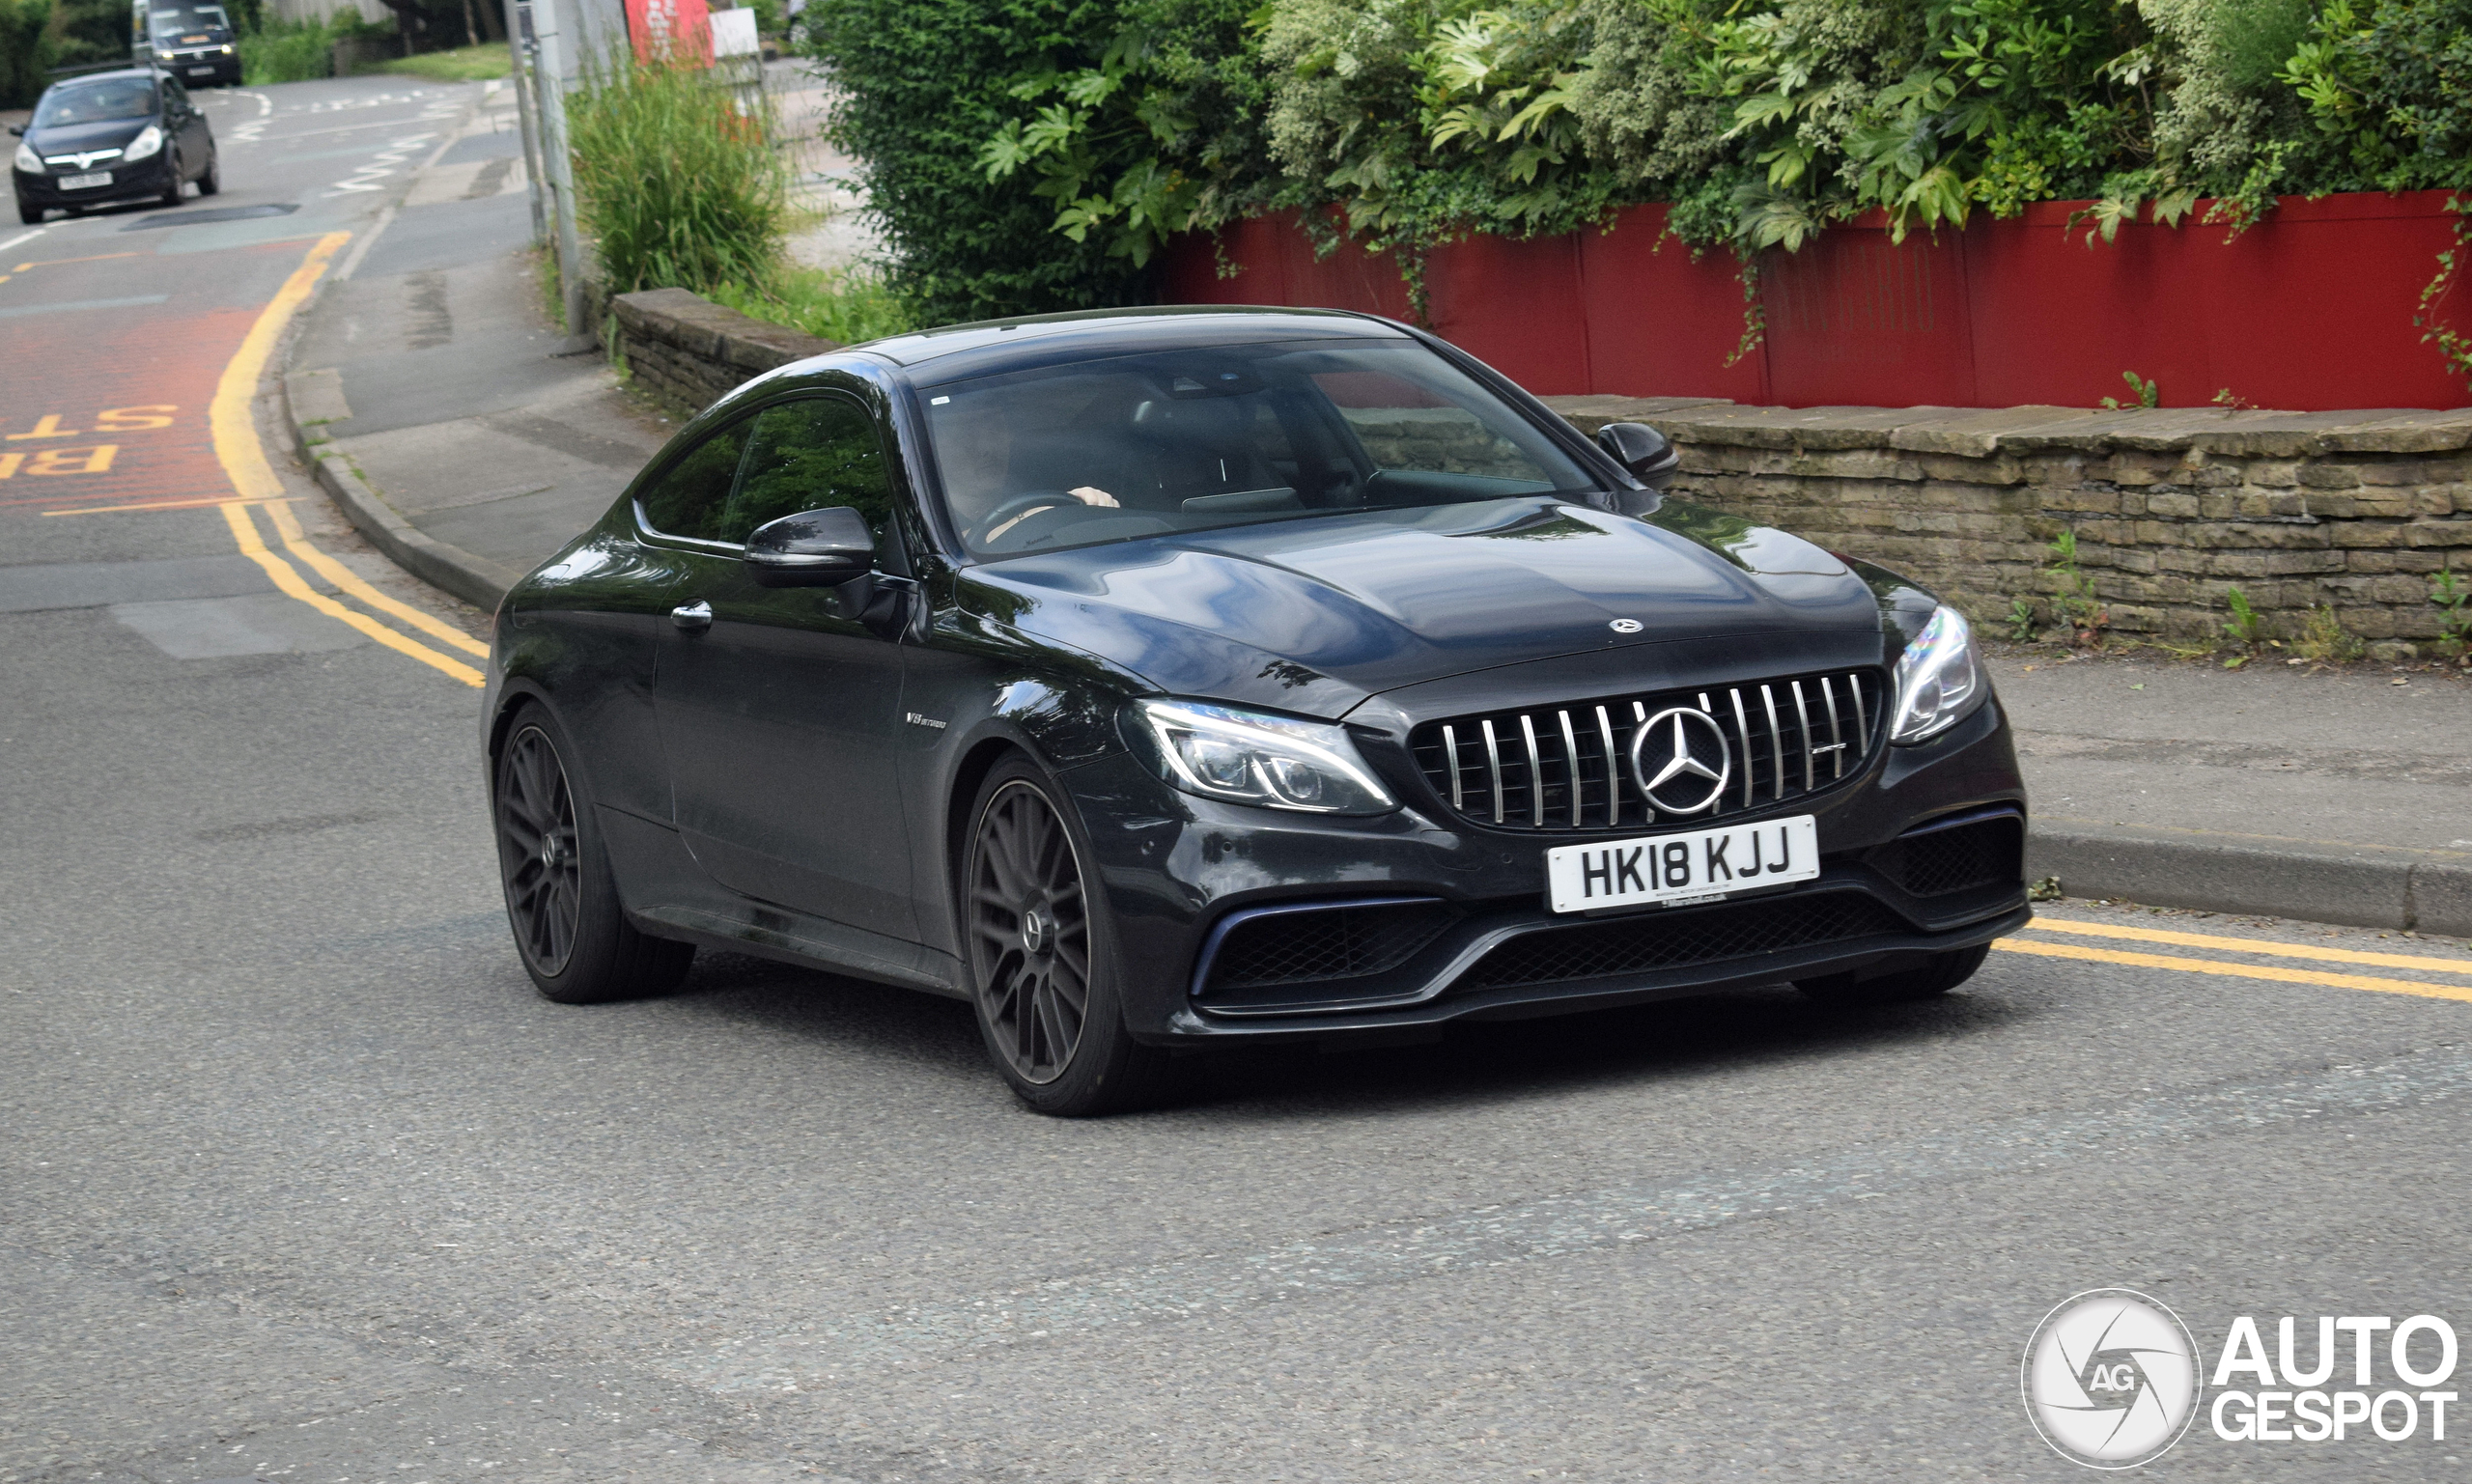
[2171, 508]
[692, 350]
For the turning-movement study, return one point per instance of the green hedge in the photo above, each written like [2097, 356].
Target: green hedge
[25, 51]
[1027, 155]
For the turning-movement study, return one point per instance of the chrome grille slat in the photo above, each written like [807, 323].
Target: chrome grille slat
[1535, 772]
[1444, 751]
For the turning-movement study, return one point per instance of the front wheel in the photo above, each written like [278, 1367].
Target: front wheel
[561, 900]
[212, 181]
[172, 192]
[1944, 972]
[30, 215]
[1041, 955]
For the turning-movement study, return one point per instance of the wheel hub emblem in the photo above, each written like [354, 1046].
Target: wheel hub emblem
[1681, 760]
[1034, 925]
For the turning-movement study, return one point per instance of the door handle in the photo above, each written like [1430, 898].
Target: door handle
[692, 617]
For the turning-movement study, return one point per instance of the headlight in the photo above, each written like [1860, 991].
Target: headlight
[1939, 679]
[28, 160]
[226, 50]
[1252, 758]
[149, 140]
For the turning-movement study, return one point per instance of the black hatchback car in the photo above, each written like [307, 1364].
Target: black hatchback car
[1162, 680]
[112, 137]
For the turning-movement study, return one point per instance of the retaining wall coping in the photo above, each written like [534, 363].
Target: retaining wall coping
[1982, 432]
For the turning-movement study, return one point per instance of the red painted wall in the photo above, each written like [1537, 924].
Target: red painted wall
[2311, 310]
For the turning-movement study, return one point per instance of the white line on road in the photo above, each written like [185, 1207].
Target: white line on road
[65, 305]
[1555, 1226]
[22, 237]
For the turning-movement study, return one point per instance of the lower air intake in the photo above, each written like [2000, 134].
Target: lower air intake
[1677, 938]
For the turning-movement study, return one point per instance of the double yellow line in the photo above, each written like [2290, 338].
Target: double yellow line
[2258, 948]
[253, 481]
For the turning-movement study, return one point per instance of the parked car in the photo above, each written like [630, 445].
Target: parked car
[1166, 679]
[192, 41]
[112, 137]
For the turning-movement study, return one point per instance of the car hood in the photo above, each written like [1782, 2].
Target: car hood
[80, 138]
[1315, 616]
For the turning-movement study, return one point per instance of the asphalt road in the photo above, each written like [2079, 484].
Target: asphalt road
[300, 1181]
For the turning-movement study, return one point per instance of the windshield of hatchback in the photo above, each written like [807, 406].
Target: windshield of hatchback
[1183, 440]
[97, 102]
[191, 19]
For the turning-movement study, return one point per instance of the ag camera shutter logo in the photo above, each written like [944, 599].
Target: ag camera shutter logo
[2111, 1379]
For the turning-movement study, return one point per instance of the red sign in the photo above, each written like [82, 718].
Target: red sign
[672, 31]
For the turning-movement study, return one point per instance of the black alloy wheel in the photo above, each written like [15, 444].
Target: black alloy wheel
[537, 847]
[1029, 932]
[212, 181]
[561, 899]
[172, 191]
[1040, 956]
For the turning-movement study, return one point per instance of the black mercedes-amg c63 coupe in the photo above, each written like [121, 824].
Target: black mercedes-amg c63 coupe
[1160, 680]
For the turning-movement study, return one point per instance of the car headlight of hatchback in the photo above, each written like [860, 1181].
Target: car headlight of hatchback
[27, 160]
[149, 141]
[1939, 679]
[1252, 757]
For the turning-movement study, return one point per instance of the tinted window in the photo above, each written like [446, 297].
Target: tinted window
[1143, 445]
[810, 455]
[95, 102]
[692, 497]
[194, 17]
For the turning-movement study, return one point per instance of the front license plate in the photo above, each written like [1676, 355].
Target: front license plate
[85, 181]
[201, 71]
[1678, 867]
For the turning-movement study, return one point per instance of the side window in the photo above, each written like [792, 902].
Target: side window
[810, 455]
[692, 497]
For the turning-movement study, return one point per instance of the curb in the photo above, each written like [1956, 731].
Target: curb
[2358, 885]
[476, 579]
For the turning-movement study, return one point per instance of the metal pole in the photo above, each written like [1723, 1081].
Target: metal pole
[524, 109]
[562, 178]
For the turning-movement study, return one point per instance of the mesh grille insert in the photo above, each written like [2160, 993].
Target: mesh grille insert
[1336, 942]
[1990, 853]
[1671, 939]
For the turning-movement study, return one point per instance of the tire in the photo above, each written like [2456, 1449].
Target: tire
[212, 181]
[30, 215]
[561, 901]
[1042, 954]
[172, 192]
[1944, 972]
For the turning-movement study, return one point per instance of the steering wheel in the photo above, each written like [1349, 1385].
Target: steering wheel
[1013, 509]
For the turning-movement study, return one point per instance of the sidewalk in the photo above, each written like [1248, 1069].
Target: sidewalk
[465, 446]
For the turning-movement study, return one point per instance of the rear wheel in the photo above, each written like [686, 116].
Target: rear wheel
[1041, 955]
[561, 900]
[1944, 972]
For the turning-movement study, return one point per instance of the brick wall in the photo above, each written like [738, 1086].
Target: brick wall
[692, 350]
[2171, 508]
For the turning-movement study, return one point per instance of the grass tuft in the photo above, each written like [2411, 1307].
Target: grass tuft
[677, 185]
[846, 305]
[463, 64]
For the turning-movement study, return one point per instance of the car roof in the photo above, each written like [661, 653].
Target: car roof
[961, 352]
[115, 76]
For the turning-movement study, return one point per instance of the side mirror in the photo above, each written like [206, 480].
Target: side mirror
[813, 548]
[1642, 450]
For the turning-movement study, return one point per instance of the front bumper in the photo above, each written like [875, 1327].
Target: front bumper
[141, 182]
[1464, 913]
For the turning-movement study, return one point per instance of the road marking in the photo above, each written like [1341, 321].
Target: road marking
[245, 461]
[19, 311]
[2272, 949]
[53, 263]
[2236, 971]
[22, 237]
[295, 542]
[289, 582]
[829, 1346]
[114, 510]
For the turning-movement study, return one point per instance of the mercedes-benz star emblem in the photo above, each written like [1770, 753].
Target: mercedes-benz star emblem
[1681, 761]
[1624, 624]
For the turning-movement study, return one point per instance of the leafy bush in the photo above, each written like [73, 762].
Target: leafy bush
[1034, 153]
[287, 52]
[676, 185]
[25, 51]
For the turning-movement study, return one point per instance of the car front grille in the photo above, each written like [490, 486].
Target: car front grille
[1566, 769]
[1340, 941]
[1961, 855]
[1678, 939]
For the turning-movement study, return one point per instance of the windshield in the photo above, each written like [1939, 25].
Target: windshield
[97, 102]
[1183, 440]
[189, 18]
